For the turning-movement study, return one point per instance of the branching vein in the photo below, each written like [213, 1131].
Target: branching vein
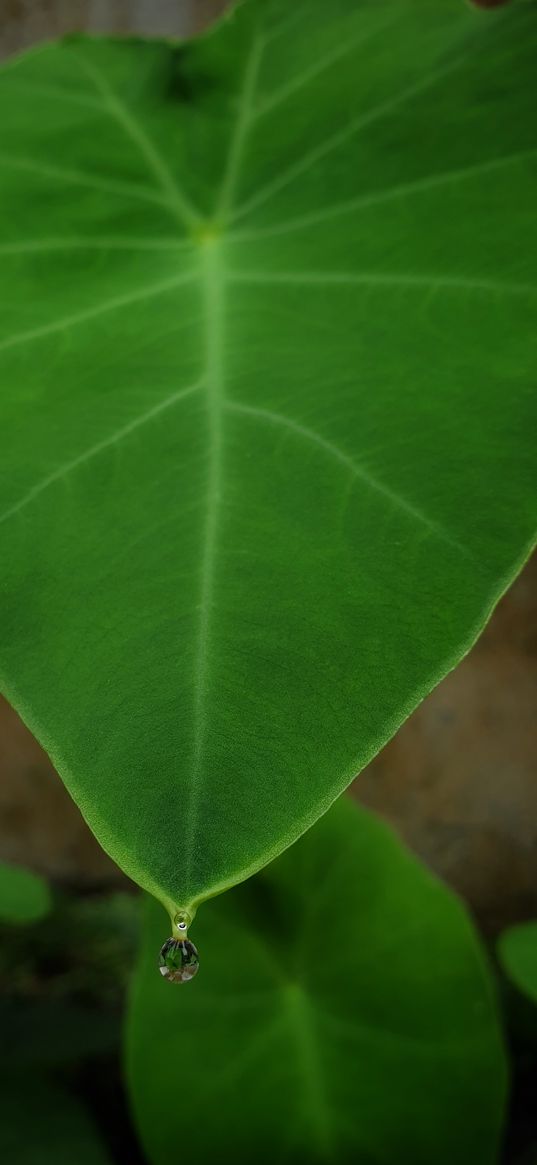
[353, 127]
[175, 197]
[81, 178]
[359, 472]
[94, 243]
[301, 80]
[240, 132]
[379, 197]
[100, 309]
[115, 438]
[434, 280]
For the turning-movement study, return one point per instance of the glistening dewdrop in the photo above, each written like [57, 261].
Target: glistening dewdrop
[178, 958]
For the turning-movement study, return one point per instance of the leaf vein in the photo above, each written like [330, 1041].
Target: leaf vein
[93, 243]
[115, 438]
[362, 202]
[380, 279]
[214, 382]
[357, 471]
[117, 108]
[354, 126]
[242, 126]
[91, 313]
[82, 178]
[301, 80]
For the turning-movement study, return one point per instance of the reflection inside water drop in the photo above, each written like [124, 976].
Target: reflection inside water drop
[182, 922]
[178, 960]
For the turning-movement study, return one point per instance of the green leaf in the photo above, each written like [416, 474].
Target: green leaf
[24, 897]
[266, 412]
[517, 951]
[343, 1011]
[43, 1124]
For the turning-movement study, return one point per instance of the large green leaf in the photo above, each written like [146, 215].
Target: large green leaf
[267, 431]
[343, 1013]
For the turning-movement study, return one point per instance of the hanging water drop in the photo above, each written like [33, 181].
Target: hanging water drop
[178, 960]
[181, 923]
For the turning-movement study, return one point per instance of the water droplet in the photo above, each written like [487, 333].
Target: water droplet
[182, 922]
[178, 960]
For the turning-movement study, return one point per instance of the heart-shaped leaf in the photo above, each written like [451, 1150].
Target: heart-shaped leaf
[268, 441]
[342, 1012]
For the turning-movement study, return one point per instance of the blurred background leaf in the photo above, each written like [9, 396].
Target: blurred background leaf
[62, 981]
[43, 1124]
[62, 987]
[517, 951]
[352, 1023]
[24, 897]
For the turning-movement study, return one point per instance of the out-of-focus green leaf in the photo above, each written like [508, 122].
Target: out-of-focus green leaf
[43, 1124]
[71, 974]
[517, 950]
[343, 1012]
[24, 897]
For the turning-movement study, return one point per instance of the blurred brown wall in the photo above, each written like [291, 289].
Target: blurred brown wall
[22, 22]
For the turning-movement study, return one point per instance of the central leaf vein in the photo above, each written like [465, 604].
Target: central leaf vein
[212, 278]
